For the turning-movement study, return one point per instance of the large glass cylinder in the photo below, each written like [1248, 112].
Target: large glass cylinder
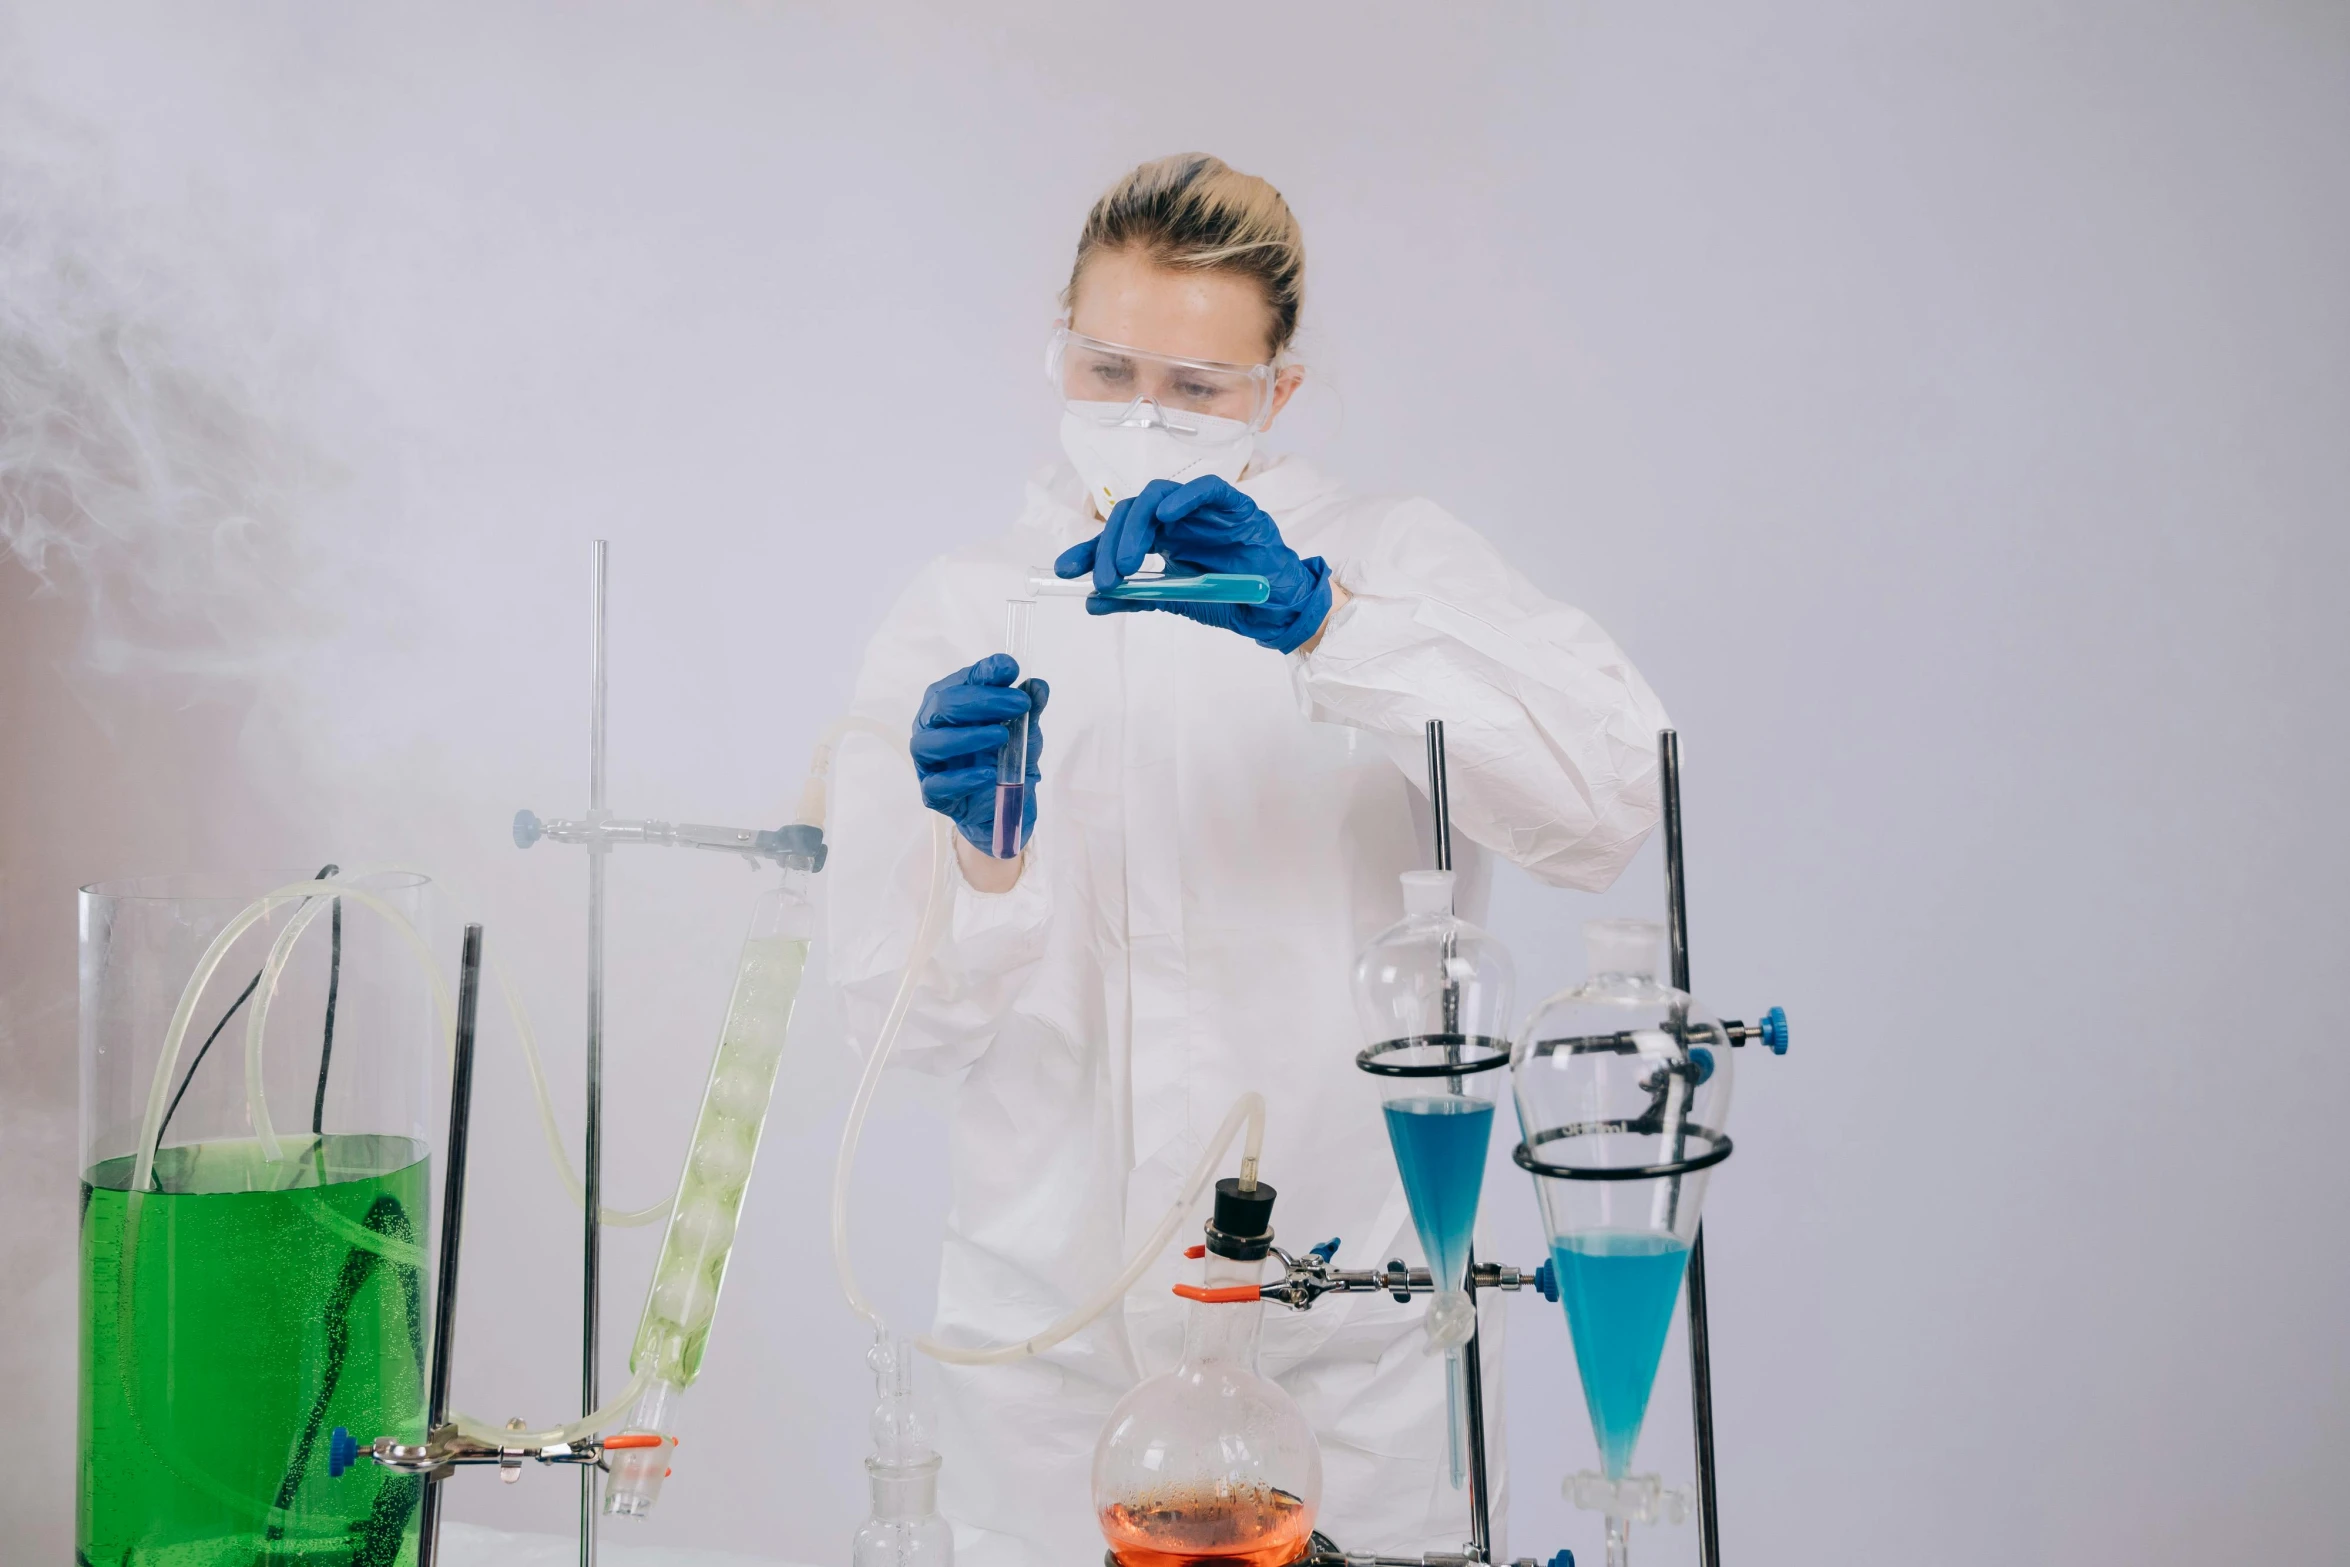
[255, 1078]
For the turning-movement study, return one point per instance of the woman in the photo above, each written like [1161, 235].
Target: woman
[1217, 826]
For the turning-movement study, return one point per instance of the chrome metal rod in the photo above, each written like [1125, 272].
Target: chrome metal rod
[1439, 794]
[1473, 1368]
[795, 846]
[1701, 1369]
[599, 573]
[592, 1154]
[444, 1312]
[1472, 1361]
[1440, 812]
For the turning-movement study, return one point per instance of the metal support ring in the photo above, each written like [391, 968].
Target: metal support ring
[1718, 1149]
[1497, 1054]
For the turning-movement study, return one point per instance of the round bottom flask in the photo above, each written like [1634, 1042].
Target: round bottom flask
[1212, 1463]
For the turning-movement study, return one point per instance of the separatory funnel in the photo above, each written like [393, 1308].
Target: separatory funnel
[1212, 1462]
[1622, 1086]
[1434, 995]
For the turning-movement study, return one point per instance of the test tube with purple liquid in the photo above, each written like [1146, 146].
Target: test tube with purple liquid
[1011, 767]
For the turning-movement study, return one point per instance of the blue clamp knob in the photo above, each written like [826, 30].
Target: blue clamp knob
[342, 1452]
[1546, 1280]
[527, 830]
[1774, 1030]
[799, 841]
[1563, 1559]
[1702, 1059]
[1327, 1250]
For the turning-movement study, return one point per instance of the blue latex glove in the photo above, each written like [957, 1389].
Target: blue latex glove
[1204, 526]
[964, 721]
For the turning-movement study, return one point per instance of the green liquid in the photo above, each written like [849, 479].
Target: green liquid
[259, 1306]
[674, 1332]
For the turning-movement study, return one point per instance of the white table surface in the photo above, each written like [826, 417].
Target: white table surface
[470, 1545]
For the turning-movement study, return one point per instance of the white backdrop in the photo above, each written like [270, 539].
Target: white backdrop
[1944, 404]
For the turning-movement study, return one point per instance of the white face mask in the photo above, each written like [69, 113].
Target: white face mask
[1117, 460]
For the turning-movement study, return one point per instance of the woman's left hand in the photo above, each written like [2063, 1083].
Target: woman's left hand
[1205, 526]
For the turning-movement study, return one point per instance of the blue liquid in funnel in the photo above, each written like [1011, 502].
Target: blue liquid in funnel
[1618, 1287]
[1440, 1148]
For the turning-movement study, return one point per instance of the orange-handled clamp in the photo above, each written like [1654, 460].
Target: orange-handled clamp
[1224, 1295]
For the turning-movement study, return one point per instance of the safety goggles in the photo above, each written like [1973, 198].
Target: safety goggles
[1192, 399]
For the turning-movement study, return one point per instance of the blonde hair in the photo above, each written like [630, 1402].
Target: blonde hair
[1194, 213]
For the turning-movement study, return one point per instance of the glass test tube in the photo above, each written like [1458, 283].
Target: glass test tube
[1011, 767]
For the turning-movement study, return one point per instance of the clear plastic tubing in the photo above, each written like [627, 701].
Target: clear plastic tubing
[1247, 1114]
[314, 893]
[683, 1301]
[1011, 763]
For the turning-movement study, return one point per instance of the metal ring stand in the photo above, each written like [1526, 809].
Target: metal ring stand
[1496, 1053]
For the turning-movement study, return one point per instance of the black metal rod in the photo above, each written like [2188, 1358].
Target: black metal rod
[592, 1149]
[1473, 1373]
[1668, 761]
[334, 987]
[1701, 1404]
[444, 1311]
[1701, 1367]
[1439, 794]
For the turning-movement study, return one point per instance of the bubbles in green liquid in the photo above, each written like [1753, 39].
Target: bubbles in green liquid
[231, 1317]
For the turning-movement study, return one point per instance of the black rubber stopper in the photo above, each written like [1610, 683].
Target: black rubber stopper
[1243, 1226]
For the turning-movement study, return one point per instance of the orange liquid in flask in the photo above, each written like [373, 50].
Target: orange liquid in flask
[1253, 1528]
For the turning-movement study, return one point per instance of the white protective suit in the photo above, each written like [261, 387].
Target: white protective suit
[1219, 831]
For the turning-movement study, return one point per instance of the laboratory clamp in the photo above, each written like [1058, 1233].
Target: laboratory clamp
[266, 1345]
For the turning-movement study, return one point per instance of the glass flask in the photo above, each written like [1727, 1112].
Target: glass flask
[1623, 1085]
[905, 1529]
[1212, 1462]
[255, 1209]
[673, 1332]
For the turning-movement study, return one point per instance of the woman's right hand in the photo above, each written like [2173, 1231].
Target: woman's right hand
[963, 724]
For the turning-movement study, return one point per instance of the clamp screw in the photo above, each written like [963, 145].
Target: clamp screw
[527, 830]
[1774, 1030]
[1324, 1252]
[1546, 1280]
[1563, 1559]
[342, 1452]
